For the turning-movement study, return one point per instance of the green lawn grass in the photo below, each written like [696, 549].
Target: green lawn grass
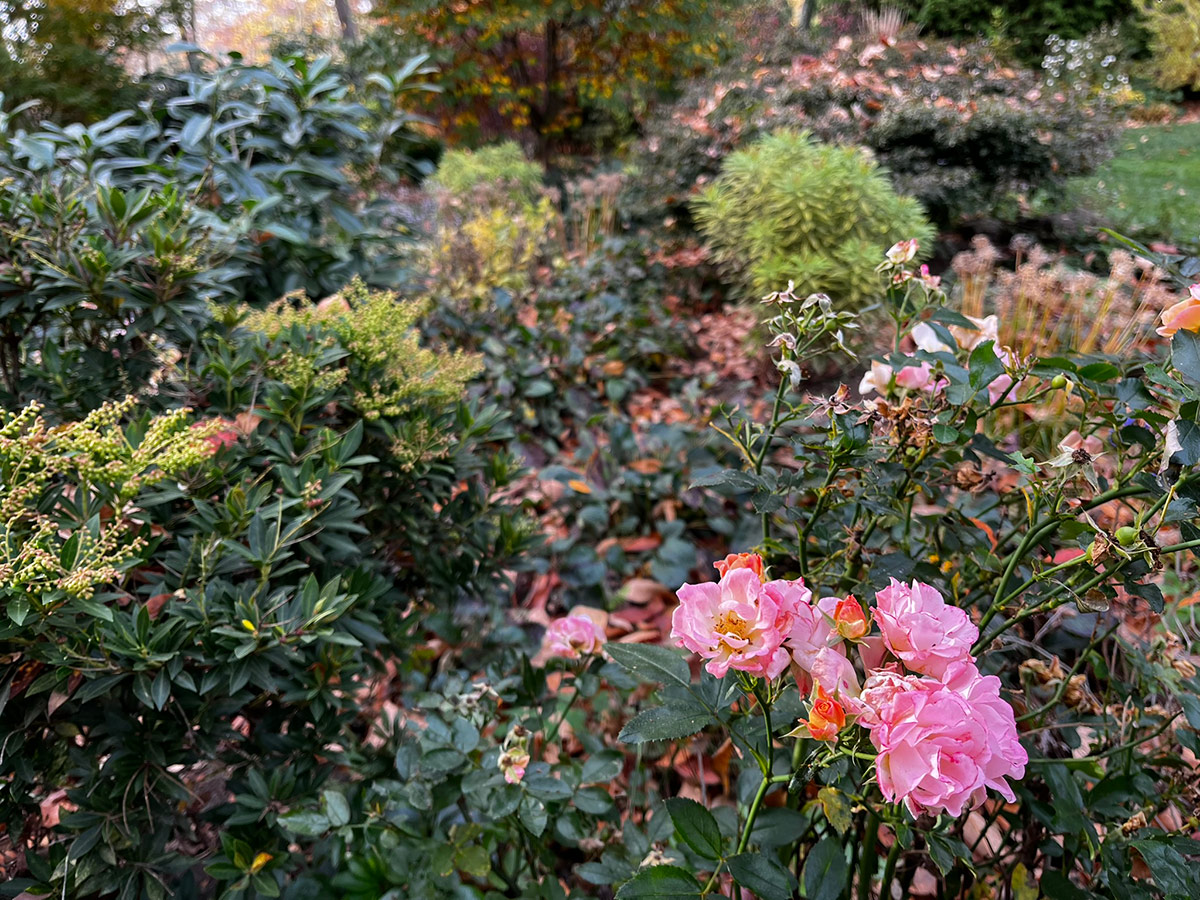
[1151, 188]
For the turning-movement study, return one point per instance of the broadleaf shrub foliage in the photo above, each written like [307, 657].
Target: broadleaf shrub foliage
[184, 610]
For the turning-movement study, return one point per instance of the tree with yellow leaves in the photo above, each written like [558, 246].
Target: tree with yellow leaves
[551, 67]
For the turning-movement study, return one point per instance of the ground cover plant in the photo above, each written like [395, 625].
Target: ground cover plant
[763, 483]
[1146, 188]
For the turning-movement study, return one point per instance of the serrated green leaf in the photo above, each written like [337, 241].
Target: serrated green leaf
[695, 826]
[762, 875]
[664, 723]
[652, 663]
[660, 883]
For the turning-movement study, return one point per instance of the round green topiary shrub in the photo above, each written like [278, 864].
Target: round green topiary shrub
[789, 208]
[499, 167]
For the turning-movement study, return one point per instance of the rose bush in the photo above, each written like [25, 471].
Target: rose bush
[939, 720]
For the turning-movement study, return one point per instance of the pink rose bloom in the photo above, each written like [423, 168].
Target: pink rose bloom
[574, 636]
[903, 251]
[877, 694]
[811, 630]
[791, 599]
[871, 651]
[913, 378]
[942, 744]
[734, 624]
[877, 379]
[921, 630]
[834, 673]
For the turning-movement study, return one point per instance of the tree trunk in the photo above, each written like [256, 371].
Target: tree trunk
[806, 15]
[346, 17]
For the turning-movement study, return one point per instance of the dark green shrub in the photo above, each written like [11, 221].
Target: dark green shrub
[195, 658]
[287, 155]
[99, 284]
[790, 209]
[938, 152]
[927, 109]
[1024, 24]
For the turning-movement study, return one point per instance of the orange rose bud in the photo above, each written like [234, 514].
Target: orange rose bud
[751, 561]
[826, 717]
[850, 620]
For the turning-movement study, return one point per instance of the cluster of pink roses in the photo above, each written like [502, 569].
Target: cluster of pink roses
[921, 377]
[941, 730]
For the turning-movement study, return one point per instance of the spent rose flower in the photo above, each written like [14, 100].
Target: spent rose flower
[513, 763]
[941, 743]
[1183, 316]
[734, 624]
[751, 561]
[903, 251]
[849, 619]
[921, 630]
[826, 717]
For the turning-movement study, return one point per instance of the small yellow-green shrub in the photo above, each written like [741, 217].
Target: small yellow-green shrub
[496, 224]
[461, 172]
[789, 208]
[1174, 27]
[369, 341]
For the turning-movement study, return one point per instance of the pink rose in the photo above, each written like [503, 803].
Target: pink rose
[574, 636]
[942, 744]
[871, 651]
[921, 630]
[735, 624]
[834, 673]
[914, 378]
[810, 630]
[903, 251]
[878, 379]
[877, 694]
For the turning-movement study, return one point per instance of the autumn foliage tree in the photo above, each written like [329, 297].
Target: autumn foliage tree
[551, 67]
